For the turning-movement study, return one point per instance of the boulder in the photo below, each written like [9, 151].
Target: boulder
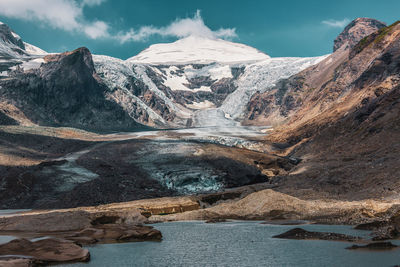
[115, 233]
[299, 233]
[50, 250]
[46, 222]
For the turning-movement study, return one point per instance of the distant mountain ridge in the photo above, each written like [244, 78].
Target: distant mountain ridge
[166, 85]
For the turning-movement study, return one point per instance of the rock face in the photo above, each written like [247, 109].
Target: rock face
[337, 110]
[355, 31]
[65, 91]
[50, 250]
[299, 233]
[280, 103]
[7, 36]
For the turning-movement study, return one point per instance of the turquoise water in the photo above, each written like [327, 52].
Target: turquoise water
[237, 244]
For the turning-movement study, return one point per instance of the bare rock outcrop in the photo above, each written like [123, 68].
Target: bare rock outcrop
[65, 91]
[68, 220]
[299, 233]
[375, 246]
[49, 250]
[355, 31]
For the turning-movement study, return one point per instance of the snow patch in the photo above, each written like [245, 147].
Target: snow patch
[16, 36]
[201, 105]
[195, 49]
[34, 50]
[32, 64]
[214, 71]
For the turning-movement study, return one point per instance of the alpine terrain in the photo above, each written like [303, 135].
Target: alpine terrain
[199, 129]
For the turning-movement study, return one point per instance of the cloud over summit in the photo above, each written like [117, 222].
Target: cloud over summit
[68, 15]
[181, 27]
[336, 23]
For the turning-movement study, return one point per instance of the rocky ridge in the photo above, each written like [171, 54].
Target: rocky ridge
[342, 121]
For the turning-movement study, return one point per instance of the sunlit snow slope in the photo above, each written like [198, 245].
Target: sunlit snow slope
[195, 49]
[195, 81]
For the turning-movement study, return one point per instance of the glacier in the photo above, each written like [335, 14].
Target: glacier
[188, 68]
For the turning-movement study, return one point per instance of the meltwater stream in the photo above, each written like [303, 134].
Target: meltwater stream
[237, 243]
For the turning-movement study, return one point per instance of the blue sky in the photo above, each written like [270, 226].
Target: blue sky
[124, 28]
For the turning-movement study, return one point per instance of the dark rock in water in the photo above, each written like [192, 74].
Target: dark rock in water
[51, 250]
[376, 245]
[216, 221]
[385, 233]
[384, 229]
[286, 222]
[299, 233]
[371, 225]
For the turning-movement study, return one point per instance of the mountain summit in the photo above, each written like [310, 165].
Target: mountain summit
[197, 49]
[355, 31]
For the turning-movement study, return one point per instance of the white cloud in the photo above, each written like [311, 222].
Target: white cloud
[92, 2]
[97, 29]
[336, 23]
[68, 15]
[59, 14]
[178, 28]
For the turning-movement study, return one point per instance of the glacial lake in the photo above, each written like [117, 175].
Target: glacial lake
[238, 243]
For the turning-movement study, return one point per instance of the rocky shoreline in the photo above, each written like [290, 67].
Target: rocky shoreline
[124, 222]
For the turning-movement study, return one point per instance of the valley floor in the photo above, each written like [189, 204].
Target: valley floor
[101, 188]
[44, 167]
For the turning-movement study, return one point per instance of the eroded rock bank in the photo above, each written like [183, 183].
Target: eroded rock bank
[62, 233]
[255, 202]
[268, 204]
[123, 222]
[45, 251]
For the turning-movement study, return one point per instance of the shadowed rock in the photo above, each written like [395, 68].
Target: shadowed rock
[51, 250]
[299, 233]
[216, 221]
[373, 246]
[115, 233]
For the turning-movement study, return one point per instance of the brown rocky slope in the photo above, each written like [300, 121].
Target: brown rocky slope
[346, 129]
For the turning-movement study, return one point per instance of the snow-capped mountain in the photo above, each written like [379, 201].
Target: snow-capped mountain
[14, 51]
[195, 81]
[198, 50]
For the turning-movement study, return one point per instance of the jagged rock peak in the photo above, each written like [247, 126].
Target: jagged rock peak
[355, 31]
[81, 54]
[8, 36]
